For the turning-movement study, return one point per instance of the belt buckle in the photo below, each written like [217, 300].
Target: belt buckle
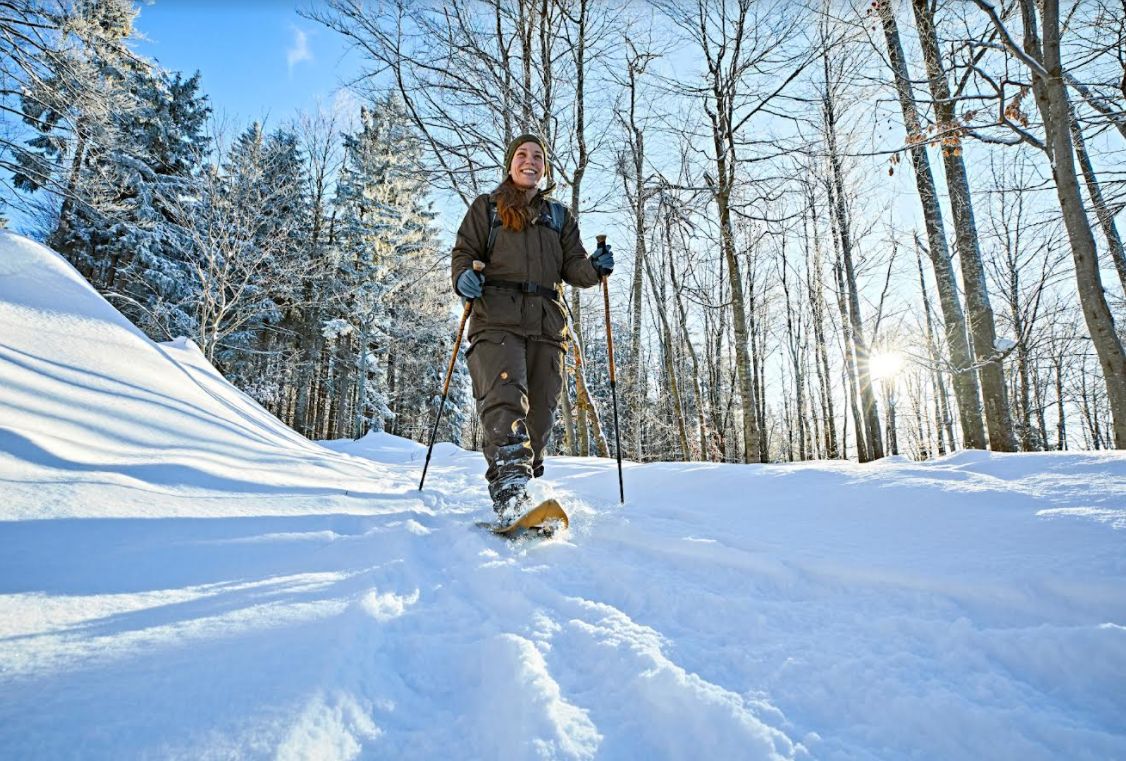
[528, 287]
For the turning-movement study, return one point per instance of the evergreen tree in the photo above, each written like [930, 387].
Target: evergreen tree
[53, 66]
[248, 234]
[387, 289]
[116, 148]
[73, 104]
[143, 250]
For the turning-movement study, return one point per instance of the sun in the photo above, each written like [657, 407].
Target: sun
[884, 365]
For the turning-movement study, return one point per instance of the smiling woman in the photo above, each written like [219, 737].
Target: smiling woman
[528, 245]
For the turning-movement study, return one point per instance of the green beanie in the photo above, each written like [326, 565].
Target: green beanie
[519, 141]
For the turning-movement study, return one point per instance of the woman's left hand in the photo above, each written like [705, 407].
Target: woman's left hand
[603, 260]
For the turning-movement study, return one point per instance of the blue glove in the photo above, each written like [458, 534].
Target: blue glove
[602, 260]
[470, 284]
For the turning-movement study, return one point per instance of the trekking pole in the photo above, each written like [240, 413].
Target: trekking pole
[477, 267]
[613, 383]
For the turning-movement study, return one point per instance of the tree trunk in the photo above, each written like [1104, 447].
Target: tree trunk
[1051, 99]
[587, 419]
[793, 339]
[817, 300]
[636, 383]
[568, 415]
[757, 330]
[993, 389]
[850, 369]
[870, 431]
[1106, 219]
[892, 437]
[667, 341]
[702, 414]
[587, 411]
[967, 391]
[942, 418]
[1061, 420]
[751, 443]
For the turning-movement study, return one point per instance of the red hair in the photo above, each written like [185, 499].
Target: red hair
[513, 208]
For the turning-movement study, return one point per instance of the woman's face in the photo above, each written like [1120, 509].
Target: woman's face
[527, 166]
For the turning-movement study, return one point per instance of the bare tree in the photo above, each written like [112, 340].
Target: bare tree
[1095, 192]
[981, 323]
[1026, 261]
[748, 53]
[943, 423]
[1042, 59]
[632, 169]
[816, 293]
[868, 423]
[967, 391]
[237, 269]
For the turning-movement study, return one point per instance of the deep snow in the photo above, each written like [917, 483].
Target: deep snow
[181, 576]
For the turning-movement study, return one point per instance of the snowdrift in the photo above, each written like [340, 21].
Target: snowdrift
[183, 577]
[89, 401]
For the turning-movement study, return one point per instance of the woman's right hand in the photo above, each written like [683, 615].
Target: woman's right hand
[470, 284]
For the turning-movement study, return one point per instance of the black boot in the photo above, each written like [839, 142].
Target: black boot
[513, 467]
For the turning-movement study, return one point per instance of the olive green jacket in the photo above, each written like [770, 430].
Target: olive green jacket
[537, 254]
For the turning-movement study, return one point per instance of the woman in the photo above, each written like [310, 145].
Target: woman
[518, 325]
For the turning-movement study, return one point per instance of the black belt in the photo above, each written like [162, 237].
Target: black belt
[529, 288]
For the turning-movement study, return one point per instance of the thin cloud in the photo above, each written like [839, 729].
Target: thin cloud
[299, 51]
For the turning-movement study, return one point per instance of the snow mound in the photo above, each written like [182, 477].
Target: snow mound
[18, 254]
[85, 393]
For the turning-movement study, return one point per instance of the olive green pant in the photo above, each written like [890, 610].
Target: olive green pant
[516, 382]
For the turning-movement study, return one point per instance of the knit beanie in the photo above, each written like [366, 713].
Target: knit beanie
[519, 141]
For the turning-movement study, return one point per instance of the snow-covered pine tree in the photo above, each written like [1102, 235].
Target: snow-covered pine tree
[321, 146]
[67, 66]
[247, 236]
[289, 269]
[143, 249]
[391, 291]
[110, 168]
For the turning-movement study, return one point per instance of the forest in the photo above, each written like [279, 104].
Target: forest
[842, 229]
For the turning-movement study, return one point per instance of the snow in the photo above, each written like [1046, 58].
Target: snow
[181, 576]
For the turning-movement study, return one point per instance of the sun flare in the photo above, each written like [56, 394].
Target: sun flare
[885, 365]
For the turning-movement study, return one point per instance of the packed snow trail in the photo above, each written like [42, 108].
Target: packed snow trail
[181, 576]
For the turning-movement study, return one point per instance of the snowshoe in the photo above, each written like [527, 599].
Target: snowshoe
[543, 519]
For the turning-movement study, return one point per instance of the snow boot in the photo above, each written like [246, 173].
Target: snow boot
[513, 470]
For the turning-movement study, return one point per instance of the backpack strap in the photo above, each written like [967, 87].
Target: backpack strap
[555, 217]
[494, 225]
[558, 214]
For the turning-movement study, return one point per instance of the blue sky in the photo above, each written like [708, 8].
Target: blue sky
[259, 59]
